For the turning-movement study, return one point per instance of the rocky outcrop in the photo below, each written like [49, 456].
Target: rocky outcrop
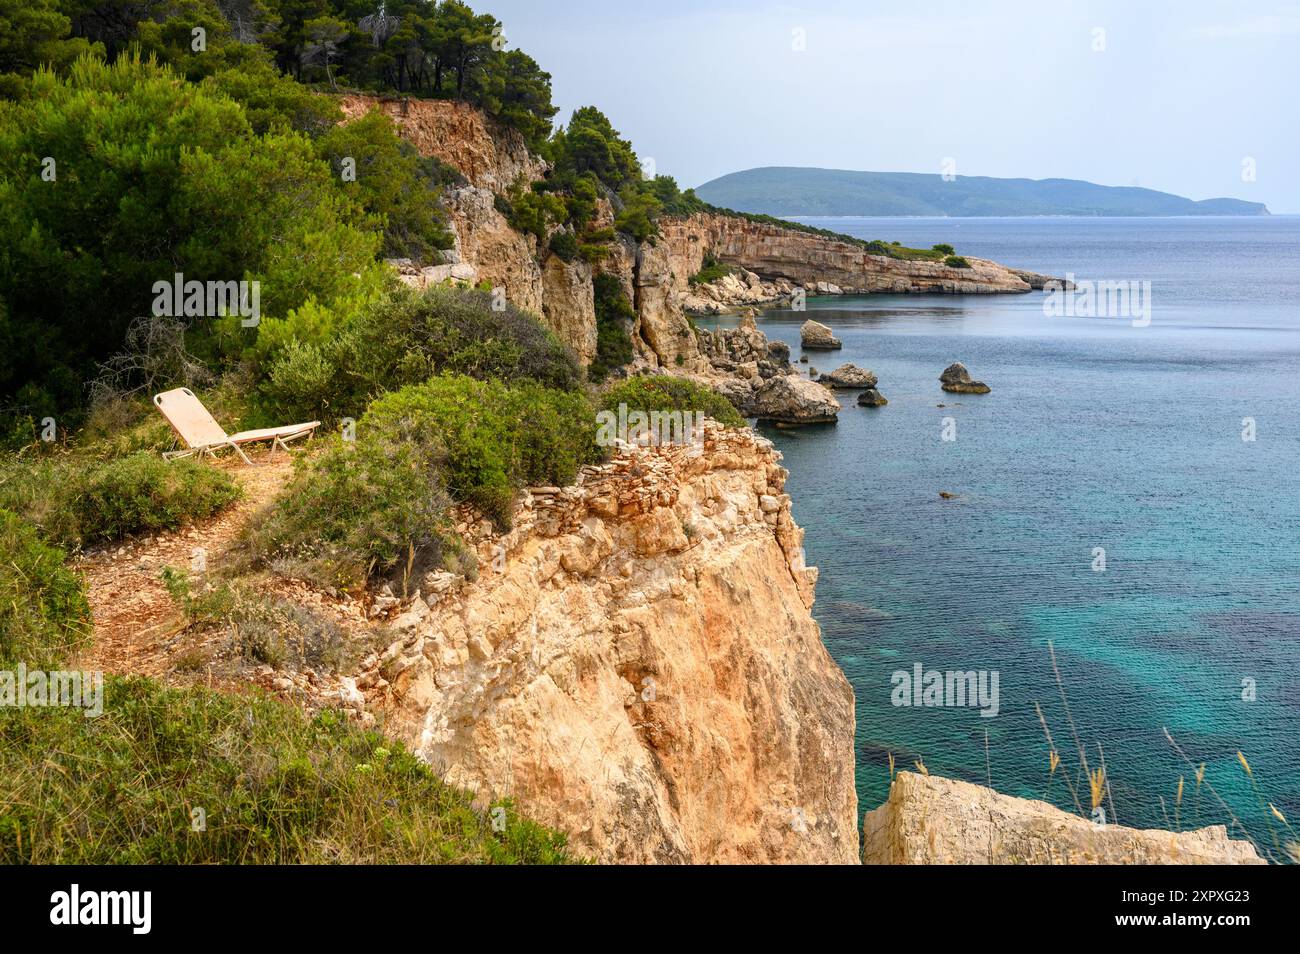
[772, 264]
[756, 376]
[848, 376]
[569, 304]
[957, 379]
[636, 665]
[501, 256]
[661, 324]
[872, 398]
[790, 399]
[806, 259]
[1041, 282]
[736, 290]
[814, 336]
[932, 820]
[491, 156]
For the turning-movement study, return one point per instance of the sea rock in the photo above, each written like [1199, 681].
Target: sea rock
[932, 820]
[848, 376]
[957, 379]
[790, 399]
[818, 337]
[872, 398]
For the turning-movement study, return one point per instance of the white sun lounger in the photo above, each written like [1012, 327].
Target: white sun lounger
[201, 434]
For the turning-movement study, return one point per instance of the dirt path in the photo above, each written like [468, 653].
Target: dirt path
[135, 618]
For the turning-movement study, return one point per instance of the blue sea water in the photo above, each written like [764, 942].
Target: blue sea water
[1096, 434]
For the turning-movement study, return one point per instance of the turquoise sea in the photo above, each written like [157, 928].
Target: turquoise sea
[1097, 434]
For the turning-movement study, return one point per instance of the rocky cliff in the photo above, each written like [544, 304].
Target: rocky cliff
[636, 665]
[930, 820]
[491, 156]
[809, 260]
[656, 274]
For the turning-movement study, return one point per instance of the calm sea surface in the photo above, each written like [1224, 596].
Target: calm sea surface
[1097, 434]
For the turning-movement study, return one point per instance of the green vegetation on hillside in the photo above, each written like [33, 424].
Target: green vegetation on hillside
[77, 500]
[614, 319]
[43, 611]
[322, 363]
[451, 439]
[191, 776]
[710, 271]
[144, 141]
[663, 392]
[190, 188]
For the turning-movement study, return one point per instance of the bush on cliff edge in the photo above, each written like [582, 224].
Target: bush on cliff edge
[662, 392]
[379, 505]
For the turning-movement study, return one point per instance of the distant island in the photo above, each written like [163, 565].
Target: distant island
[790, 190]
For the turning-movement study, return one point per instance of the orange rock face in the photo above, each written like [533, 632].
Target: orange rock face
[637, 666]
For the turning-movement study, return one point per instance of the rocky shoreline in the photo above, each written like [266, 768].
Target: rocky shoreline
[637, 663]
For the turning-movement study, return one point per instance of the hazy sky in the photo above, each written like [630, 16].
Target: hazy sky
[1177, 98]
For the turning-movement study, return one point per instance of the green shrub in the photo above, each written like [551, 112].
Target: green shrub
[43, 610]
[274, 102]
[944, 249]
[710, 271]
[144, 494]
[532, 212]
[266, 628]
[270, 785]
[409, 336]
[956, 261]
[564, 245]
[403, 337]
[76, 501]
[491, 438]
[639, 215]
[379, 505]
[663, 392]
[393, 182]
[357, 509]
[614, 321]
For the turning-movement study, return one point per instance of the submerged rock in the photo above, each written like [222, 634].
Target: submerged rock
[848, 376]
[957, 379]
[818, 337]
[872, 398]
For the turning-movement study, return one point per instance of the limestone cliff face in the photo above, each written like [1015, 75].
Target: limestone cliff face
[661, 322]
[656, 274]
[807, 259]
[489, 155]
[636, 665]
[501, 256]
[931, 820]
[569, 304]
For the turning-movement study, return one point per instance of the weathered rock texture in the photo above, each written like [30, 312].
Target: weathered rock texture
[738, 289]
[488, 154]
[957, 379]
[637, 665]
[814, 336]
[772, 263]
[930, 820]
[848, 376]
[755, 375]
[806, 259]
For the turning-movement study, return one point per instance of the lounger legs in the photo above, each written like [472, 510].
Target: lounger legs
[240, 451]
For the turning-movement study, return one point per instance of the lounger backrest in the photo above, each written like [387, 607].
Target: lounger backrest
[189, 418]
